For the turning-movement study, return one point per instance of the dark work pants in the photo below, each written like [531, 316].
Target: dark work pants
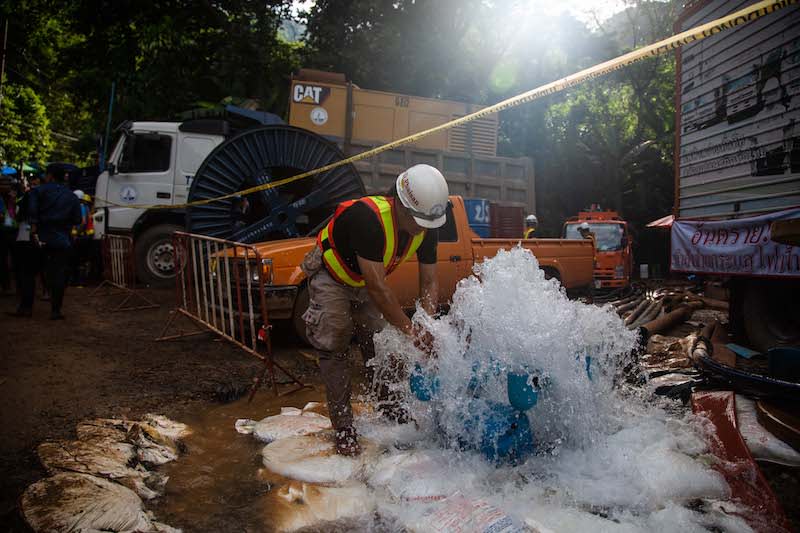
[56, 269]
[27, 264]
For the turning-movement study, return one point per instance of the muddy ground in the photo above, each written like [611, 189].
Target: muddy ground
[99, 364]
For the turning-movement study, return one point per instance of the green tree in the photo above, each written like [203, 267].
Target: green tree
[25, 130]
[166, 56]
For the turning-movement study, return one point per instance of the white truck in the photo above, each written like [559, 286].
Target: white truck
[153, 163]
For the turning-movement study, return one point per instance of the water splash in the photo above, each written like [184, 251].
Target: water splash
[605, 454]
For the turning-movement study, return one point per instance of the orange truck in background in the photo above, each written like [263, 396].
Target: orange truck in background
[613, 256]
[568, 260]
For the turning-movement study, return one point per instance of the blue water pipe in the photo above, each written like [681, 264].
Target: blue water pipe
[505, 434]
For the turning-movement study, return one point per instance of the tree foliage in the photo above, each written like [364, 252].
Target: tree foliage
[607, 141]
[166, 56]
[25, 132]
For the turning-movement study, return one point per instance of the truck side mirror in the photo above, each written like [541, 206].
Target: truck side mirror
[112, 169]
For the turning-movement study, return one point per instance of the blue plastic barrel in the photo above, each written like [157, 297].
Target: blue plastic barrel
[478, 216]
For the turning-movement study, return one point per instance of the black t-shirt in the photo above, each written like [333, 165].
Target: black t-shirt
[358, 232]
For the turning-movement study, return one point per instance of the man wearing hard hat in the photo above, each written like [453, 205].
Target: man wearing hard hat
[531, 223]
[586, 232]
[364, 242]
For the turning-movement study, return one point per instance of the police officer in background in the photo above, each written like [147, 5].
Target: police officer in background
[52, 212]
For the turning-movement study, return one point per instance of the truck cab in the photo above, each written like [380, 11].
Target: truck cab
[613, 254]
[153, 163]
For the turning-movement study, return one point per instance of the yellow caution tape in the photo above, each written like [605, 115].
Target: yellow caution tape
[664, 46]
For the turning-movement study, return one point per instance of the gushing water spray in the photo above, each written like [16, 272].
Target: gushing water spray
[512, 336]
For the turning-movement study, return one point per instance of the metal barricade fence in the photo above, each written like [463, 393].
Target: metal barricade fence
[220, 287]
[119, 273]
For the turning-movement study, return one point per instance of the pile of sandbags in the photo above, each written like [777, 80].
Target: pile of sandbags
[315, 488]
[315, 485]
[98, 481]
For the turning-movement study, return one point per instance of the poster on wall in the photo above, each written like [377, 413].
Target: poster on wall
[733, 247]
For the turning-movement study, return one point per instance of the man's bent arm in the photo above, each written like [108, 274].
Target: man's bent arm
[428, 287]
[382, 296]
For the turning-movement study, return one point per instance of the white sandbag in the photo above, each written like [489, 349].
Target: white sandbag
[672, 475]
[118, 428]
[290, 422]
[103, 429]
[763, 445]
[457, 513]
[413, 476]
[80, 502]
[553, 519]
[168, 428]
[152, 447]
[313, 458]
[101, 458]
[299, 505]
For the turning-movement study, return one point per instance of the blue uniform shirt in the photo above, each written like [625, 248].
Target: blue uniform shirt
[55, 209]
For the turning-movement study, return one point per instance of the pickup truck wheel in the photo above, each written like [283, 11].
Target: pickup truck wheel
[770, 313]
[300, 306]
[155, 255]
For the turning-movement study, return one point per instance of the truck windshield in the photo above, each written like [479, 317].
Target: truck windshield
[608, 237]
[145, 152]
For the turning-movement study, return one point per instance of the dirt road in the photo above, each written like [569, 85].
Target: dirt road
[56, 373]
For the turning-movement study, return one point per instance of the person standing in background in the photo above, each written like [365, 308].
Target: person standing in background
[27, 255]
[53, 211]
[8, 231]
[531, 223]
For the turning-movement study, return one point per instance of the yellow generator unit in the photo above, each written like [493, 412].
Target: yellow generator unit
[327, 104]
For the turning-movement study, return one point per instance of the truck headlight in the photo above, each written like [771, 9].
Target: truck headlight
[262, 270]
[266, 271]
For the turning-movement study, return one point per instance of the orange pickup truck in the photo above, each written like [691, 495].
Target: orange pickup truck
[568, 260]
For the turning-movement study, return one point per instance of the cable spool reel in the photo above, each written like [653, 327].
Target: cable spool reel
[259, 156]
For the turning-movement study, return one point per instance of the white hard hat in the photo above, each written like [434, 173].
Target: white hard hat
[79, 194]
[583, 225]
[531, 220]
[423, 190]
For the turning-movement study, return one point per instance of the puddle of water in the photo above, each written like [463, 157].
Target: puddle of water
[220, 485]
[606, 460]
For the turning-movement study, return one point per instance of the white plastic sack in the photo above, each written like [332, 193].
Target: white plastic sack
[299, 505]
[313, 458]
[290, 422]
[413, 476]
[80, 502]
[457, 513]
[101, 458]
[763, 445]
[553, 519]
[118, 428]
[152, 447]
[170, 429]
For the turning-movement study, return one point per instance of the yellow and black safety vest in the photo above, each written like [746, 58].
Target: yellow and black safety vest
[384, 208]
[529, 233]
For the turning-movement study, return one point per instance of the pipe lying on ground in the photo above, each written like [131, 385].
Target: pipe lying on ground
[712, 303]
[645, 303]
[629, 306]
[627, 299]
[666, 321]
[650, 312]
